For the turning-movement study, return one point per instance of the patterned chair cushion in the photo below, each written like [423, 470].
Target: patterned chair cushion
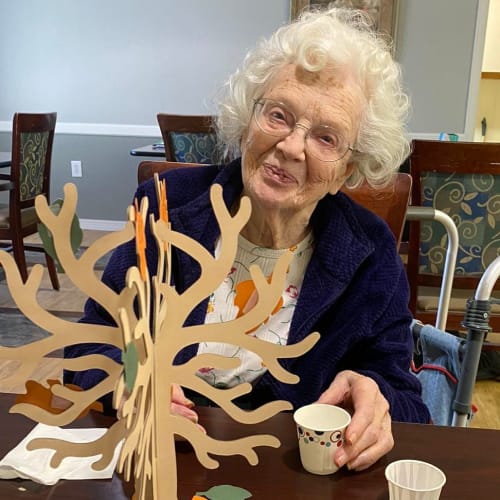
[33, 151]
[473, 202]
[194, 147]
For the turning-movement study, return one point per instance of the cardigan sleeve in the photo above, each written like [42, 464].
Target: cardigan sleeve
[398, 385]
[387, 357]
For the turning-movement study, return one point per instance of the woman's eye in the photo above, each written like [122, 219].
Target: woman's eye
[329, 140]
[277, 115]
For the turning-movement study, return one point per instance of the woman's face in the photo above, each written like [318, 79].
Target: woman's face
[278, 173]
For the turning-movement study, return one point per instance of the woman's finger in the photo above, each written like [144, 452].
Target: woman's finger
[179, 397]
[184, 411]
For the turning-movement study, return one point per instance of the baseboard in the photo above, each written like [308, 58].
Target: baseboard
[102, 225]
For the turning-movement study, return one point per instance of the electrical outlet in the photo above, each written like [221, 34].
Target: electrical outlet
[76, 168]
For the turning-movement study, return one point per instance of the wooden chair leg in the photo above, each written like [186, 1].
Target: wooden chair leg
[19, 257]
[52, 271]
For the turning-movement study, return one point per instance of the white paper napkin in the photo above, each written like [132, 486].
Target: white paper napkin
[35, 465]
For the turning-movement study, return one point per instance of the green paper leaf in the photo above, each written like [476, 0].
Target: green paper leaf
[225, 492]
[130, 360]
[76, 234]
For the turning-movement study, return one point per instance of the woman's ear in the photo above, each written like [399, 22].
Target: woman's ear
[244, 140]
[349, 169]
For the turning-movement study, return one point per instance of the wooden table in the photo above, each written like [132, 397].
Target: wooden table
[152, 150]
[15, 427]
[470, 459]
[5, 159]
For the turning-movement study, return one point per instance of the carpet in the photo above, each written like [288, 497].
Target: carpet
[18, 330]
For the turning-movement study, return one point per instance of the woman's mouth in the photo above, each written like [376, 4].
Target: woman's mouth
[278, 174]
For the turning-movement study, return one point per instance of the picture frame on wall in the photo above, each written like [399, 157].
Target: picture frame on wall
[383, 12]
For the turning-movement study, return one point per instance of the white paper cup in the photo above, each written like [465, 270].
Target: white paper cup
[414, 480]
[320, 429]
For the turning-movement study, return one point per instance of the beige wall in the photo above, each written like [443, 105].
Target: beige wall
[491, 58]
[489, 90]
[489, 107]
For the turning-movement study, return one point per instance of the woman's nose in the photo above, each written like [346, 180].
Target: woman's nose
[293, 145]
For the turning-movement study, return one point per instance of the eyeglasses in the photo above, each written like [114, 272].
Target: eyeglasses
[321, 141]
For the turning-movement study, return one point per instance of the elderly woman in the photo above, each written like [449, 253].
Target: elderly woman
[317, 105]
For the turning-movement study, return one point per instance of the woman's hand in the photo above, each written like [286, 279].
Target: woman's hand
[368, 437]
[181, 405]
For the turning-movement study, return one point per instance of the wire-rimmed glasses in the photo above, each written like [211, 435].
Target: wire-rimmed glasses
[322, 141]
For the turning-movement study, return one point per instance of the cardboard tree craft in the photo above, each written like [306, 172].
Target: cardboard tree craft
[150, 337]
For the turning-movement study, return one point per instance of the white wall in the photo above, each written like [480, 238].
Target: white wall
[440, 52]
[123, 61]
[108, 67]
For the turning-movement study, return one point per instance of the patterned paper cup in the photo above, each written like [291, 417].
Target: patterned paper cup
[320, 430]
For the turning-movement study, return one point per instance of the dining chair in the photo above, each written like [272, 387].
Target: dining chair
[32, 139]
[188, 139]
[148, 168]
[389, 202]
[462, 179]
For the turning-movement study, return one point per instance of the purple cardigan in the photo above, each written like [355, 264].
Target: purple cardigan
[355, 293]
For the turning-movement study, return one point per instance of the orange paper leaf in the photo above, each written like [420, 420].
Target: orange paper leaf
[163, 201]
[140, 242]
[41, 396]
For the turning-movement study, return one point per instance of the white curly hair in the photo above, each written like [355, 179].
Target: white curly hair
[337, 37]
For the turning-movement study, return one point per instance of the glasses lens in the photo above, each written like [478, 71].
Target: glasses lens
[274, 118]
[326, 144]
[322, 142]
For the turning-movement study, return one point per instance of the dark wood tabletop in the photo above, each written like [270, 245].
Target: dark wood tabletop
[5, 158]
[470, 459]
[15, 427]
[151, 150]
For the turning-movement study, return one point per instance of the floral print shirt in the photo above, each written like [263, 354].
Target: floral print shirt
[236, 295]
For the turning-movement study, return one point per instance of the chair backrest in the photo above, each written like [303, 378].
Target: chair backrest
[147, 169]
[32, 139]
[463, 180]
[389, 202]
[188, 139]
